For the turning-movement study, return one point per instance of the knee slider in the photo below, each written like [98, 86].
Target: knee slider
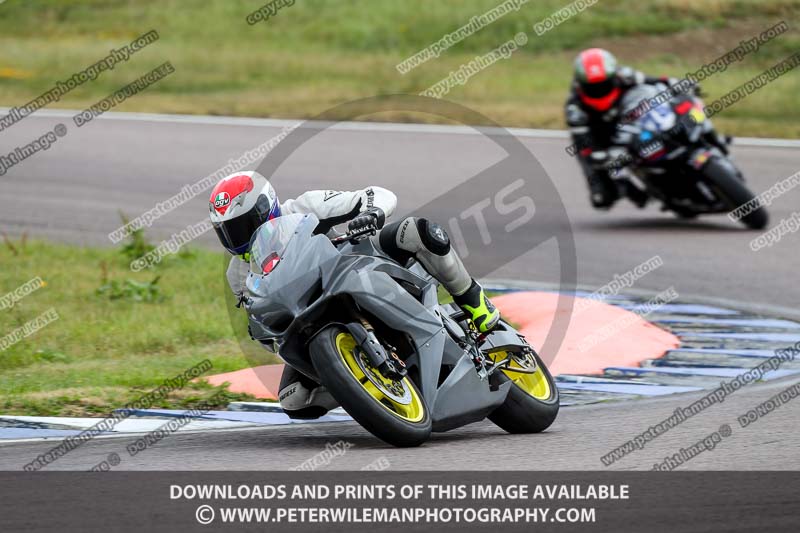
[388, 237]
[433, 236]
[388, 242]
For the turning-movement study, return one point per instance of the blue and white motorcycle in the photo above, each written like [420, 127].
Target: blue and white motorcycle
[671, 152]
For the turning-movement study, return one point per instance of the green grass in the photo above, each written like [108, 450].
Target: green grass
[316, 54]
[103, 352]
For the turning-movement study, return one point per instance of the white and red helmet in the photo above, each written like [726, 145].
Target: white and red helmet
[239, 204]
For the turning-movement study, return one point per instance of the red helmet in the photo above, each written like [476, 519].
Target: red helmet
[239, 204]
[596, 77]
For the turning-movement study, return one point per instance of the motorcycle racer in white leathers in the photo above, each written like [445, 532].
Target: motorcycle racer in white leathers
[243, 201]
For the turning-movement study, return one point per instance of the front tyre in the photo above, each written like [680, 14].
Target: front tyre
[393, 411]
[724, 178]
[532, 402]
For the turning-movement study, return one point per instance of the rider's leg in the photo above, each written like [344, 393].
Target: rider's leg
[429, 244]
[603, 191]
[301, 397]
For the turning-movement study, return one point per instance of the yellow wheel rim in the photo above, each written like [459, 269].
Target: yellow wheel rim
[397, 397]
[535, 384]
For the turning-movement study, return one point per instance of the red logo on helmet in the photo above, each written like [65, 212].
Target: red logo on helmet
[222, 200]
[228, 189]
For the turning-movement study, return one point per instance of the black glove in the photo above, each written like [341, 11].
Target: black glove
[371, 217]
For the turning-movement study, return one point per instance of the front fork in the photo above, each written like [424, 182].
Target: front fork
[386, 362]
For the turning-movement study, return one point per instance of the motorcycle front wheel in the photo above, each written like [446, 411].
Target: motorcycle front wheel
[393, 411]
[724, 178]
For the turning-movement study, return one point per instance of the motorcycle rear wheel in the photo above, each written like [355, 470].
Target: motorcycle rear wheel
[532, 403]
[393, 411]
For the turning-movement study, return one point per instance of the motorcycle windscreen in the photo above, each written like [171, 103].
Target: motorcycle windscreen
[639, 99]
[272, 238]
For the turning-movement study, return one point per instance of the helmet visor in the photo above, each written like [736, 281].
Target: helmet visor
[599, 89]
[235, 234]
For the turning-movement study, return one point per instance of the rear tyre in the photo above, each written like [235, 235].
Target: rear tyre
[724, 178]
[393, 411]
[532, 402]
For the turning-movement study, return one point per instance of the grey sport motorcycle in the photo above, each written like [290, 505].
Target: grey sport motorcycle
[374, 334]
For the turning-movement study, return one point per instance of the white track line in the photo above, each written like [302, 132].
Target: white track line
[253, 427]
[359, 126]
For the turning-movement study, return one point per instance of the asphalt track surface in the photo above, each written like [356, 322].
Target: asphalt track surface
[73, 192]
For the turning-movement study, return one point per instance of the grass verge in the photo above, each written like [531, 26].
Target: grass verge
[118, 334]
[315, 54]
